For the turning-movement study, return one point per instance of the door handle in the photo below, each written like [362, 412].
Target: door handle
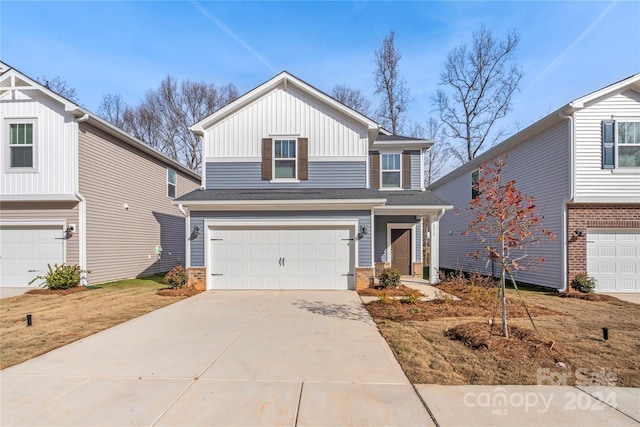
[283, 262]
[280, 262]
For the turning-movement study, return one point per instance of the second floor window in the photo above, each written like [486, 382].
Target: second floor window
[475, 183]
[21, 145]
[390, 171]
[172, 183]
[620, 144]
[284, 158]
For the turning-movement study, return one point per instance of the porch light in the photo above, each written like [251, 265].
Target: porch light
[578, 233]
[363, 230]
[196, 231]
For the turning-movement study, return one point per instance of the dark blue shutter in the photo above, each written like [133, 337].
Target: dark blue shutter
[608, 144]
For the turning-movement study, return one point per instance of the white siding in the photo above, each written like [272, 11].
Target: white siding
[286, 112]
[54, 145]
[594, 184]
[540, 169]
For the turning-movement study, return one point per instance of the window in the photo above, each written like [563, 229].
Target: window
[391, 171]
[475, 181]
[21, 138]
[620, 144]
[172, 183]
[284, 158]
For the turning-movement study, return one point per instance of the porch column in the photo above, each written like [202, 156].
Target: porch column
[434, 264]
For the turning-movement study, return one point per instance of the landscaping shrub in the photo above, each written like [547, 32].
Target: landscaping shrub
[583, 283]
[412, 298]
[390, 278]
[176, 278]
[61, 277]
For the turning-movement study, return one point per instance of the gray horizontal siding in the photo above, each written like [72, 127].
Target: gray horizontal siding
[363, 217]
[243, 175]
[416, 158]
[380, 252]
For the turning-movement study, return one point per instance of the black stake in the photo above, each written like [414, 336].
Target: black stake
[605, 333]
[29, 320]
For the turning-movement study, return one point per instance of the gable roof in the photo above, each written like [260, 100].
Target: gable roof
[12, 79]
[284, 79]
[629, 83]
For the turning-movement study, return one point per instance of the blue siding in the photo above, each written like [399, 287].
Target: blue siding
[248, 175]
[381, 221]
[363, 217]
[416, 158]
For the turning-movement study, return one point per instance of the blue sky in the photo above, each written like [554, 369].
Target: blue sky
[567, 49]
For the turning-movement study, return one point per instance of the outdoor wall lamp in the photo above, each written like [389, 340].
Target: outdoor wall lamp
[578, 233]
[363, 230]
[196, 231]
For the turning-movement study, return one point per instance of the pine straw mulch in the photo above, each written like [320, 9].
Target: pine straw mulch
[46, 291]
[522, 344]
[588, 297]
[400, 291]
[187, 291]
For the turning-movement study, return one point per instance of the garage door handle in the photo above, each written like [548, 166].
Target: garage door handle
[217, 274]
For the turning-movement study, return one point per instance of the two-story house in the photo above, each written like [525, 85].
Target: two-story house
[74, 189]
[300, 191]
[582, 165]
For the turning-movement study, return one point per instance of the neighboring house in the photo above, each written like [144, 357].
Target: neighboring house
[582, 165]
[300, 191]
[77, 190]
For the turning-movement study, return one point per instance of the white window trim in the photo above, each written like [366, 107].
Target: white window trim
[7, 139]
[382, 187]
[616, 144]
[403, 226]
[169, 170]
[273, 160]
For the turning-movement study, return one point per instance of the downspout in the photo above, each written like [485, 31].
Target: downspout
[565, 219]
[83, 209]
[187, 243]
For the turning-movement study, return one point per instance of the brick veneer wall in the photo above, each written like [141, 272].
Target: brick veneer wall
[197, 277]
[364, 277]
[583, 216]
[417, 269]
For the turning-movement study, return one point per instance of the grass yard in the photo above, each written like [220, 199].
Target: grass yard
[447, 342]
[60, 318]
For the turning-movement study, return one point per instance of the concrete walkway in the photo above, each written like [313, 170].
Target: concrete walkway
[8, 292]
[250, 358]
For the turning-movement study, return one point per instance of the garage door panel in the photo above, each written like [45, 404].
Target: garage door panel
[613, 259]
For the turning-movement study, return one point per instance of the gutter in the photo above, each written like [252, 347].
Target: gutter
[570, 197]
[82, 250]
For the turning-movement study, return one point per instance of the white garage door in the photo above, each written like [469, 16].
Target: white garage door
[281, 258]
[613, 259]
[25, 252]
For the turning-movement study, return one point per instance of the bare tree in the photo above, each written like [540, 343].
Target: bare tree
[434, 160]
[390, 86]
[476, 86]
[163, 117]
[112, 108]
[352, 98]
[59, 86]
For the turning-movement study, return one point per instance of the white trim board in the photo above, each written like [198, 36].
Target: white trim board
[402, 226]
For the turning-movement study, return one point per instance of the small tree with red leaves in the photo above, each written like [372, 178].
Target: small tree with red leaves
[507, 221]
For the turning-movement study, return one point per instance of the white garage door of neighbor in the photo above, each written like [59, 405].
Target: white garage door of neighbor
[613, 259]
[25, 252]
[318, 258]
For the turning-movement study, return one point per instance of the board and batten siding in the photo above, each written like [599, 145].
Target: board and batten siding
[42, 212]
[286, 112]
[381, 221]
[54, 147]
[540, 167]
[121, 242]
[592, 183]
[245, 175]
[198, 218]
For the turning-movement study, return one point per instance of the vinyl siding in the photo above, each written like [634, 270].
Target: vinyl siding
[54, 147]
[46, 211]
[363, 217]
[592, 182]
[381, 221]
[416, 160]
[286, 112]
[540, 168]
[121, 242]
[221, 175]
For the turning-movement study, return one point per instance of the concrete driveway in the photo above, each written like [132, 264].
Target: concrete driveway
[222, 358]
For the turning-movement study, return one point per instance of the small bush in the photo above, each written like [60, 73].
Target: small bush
[583, 283]
[61, 277]
[412, 298]
[385, 299]
[176, 278]
[390, 278]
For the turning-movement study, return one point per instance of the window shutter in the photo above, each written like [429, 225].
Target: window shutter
[608, 144]
[267, 163]
[406, 170]
[375, 169]
[303, 159]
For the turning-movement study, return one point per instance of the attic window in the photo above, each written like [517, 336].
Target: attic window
[475, 183]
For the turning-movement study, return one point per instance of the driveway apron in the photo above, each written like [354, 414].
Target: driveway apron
[232, 358]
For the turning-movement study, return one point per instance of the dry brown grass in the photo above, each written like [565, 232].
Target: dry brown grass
[64, 317]
[421, 337]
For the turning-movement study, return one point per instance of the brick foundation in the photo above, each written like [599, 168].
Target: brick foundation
[364, 277]
[583, 216]
[197, 277]
[379, 266]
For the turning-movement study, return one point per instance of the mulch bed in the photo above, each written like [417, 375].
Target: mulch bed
[400, 291]
[45, 291]
[588, 297]
[187, 291]
[522, 343]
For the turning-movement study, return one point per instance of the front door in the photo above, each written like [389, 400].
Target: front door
[401, 250]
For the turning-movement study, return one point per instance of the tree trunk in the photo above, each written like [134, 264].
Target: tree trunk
[505, 330]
